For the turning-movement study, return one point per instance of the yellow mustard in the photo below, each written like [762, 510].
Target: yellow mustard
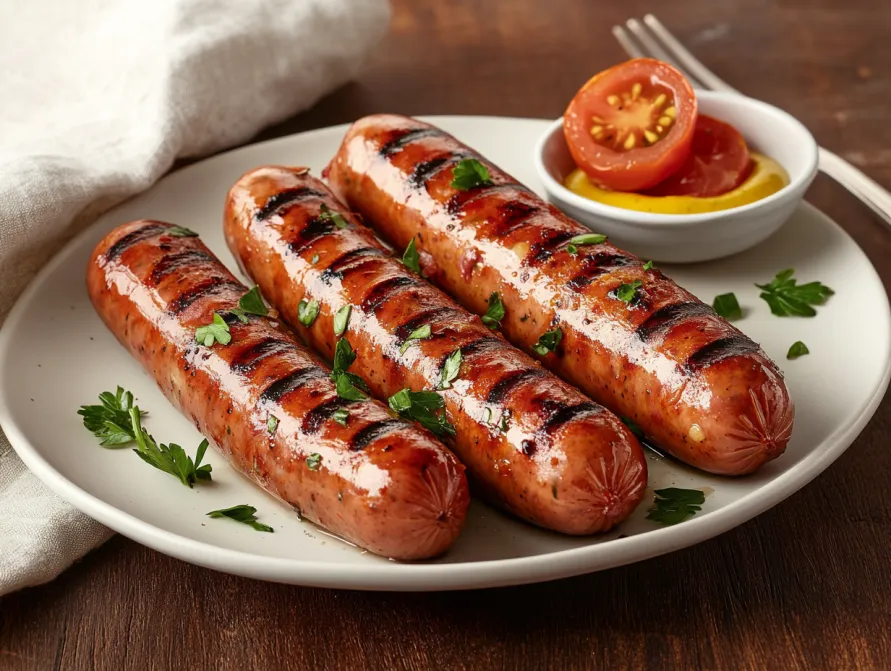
[767, 177]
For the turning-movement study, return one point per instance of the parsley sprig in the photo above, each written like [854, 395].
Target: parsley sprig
[307, 311]
[250, 304]
[216, 331]
[727, 306]
[110, 421]
[169, 458]
[423, 407]
[349, 385]
[244, 514]
[674, 505]
[411, 258]
[327, 214]
[547, 342]
[420, 333]
[181, 232]
[628, 292]
[342, 319]
[787, 298]
[495, 312]
[468, 174]
[450, 369]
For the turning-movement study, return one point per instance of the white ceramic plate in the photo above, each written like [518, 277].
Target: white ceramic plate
[56, 355]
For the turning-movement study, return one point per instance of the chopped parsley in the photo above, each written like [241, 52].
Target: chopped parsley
[674, 505]
[450, 369]
[315, 259]
[468, 174]
[244, 514]
[341, 415]
[787, 298]
[411, 258]
[587, 239]
[216, 331]
[495, 312]
[314, 461]
[250, 304]
[727, 306]
[327, 214]
[307, 312]
[798, 349]
[342, 319]
[423, 407]
[272, 424]
[349, 385]
[547, 342]
[420, 333]
[627, 292]
[181, 232]
[648, 265]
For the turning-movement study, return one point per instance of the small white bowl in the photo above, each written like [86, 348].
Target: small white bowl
[688, 238]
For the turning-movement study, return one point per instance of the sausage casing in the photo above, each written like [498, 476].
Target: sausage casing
[535, 444]
[379, 482]
[697, 386]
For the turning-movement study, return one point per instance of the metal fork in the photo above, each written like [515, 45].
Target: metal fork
[651, 38]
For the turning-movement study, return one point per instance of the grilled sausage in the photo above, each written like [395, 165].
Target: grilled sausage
[697, 386]
[536, 445]
[379, 482]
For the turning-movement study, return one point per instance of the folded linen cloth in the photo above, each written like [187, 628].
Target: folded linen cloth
[99, 97]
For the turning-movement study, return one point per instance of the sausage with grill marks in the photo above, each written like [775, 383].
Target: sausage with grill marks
[380, 482]
[537, 446]
[697, 386]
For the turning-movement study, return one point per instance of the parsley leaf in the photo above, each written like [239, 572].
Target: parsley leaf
[328, 215]
[169, 458]
[587, 239]
[727, 306]
[342, 319]
[798, 349]
[648, 265]
[633, 426]
[411, 258]
[547, 342]
[110, 421]
[503, 425]
[495, 312]
[674, 505]
[785, 297]
[468, 174]
[422, 407]
[244, 514]
[217, 331]
[347, 387]
[572, 249]
[344, 356]
[252, 303]
[272, 424]
[450, 369]
[315, 259]
[180, 232]
[307, 312]
[314, 461]
[420, 333]
[341, 415]
[627, 292]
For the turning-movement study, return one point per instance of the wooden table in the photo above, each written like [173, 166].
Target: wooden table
[807, 584]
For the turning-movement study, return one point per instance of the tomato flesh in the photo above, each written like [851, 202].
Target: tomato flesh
[631, 126]
[719, 161]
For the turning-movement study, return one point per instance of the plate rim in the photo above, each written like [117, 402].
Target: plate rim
[395, 576]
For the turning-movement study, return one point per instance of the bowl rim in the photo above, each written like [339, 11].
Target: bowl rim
[794, 189]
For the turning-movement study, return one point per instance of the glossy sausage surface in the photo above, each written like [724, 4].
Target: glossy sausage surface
[536, 445]
[698, 387]
[381, 483]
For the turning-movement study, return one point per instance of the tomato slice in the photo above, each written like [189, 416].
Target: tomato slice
[630, 127]
[719, 162]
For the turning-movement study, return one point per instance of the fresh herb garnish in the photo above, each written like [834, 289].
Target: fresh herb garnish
[328, 215]
[422, 407]
[244, 514]
[785, 297]
[547, 342]
[674, 505]
[648, 265]
[411, 258]
[798, 349]
[314, 461]
[216, 331]
[468, 174]
[169, 458]
[180, 232]
[488, 417]
[420, 333]
[341, 415]
[272, 424]
[450, 369]
[633, 426]
[587, 239]
[627, 292]
[572, 249]
[342, 319]
[347, 388]
[344, 356]
[110, 422]
[250, 304]
[307, 312]
[503, 426]
[315, 259]
[495, 312]
[727, 306]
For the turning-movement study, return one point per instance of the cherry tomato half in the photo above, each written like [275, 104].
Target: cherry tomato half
[631, 126]
[718, 162]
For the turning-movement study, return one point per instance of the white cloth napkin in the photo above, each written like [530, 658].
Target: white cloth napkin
[97, 100]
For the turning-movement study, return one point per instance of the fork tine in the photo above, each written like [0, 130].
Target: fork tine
[681, 55]
[627, 43]
[657, 51]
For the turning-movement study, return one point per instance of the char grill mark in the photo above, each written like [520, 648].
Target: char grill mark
[512, 215]
[316, 417]
[250, 357]
[364, 437]
[543, 250]
[567, 413]
[425, 169]
[209, 287]
[430, 316]
[455, 203]
[288, 198]
[291, 382]
[315, 228]
[481, 345]
[174, 262]
[510, 381]
[349, 261]
[140, 234]
[397, 139]
[598, 264]
[666, 318]
[722, 348]
[384, 290]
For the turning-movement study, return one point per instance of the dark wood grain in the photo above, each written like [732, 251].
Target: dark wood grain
[806, 585]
